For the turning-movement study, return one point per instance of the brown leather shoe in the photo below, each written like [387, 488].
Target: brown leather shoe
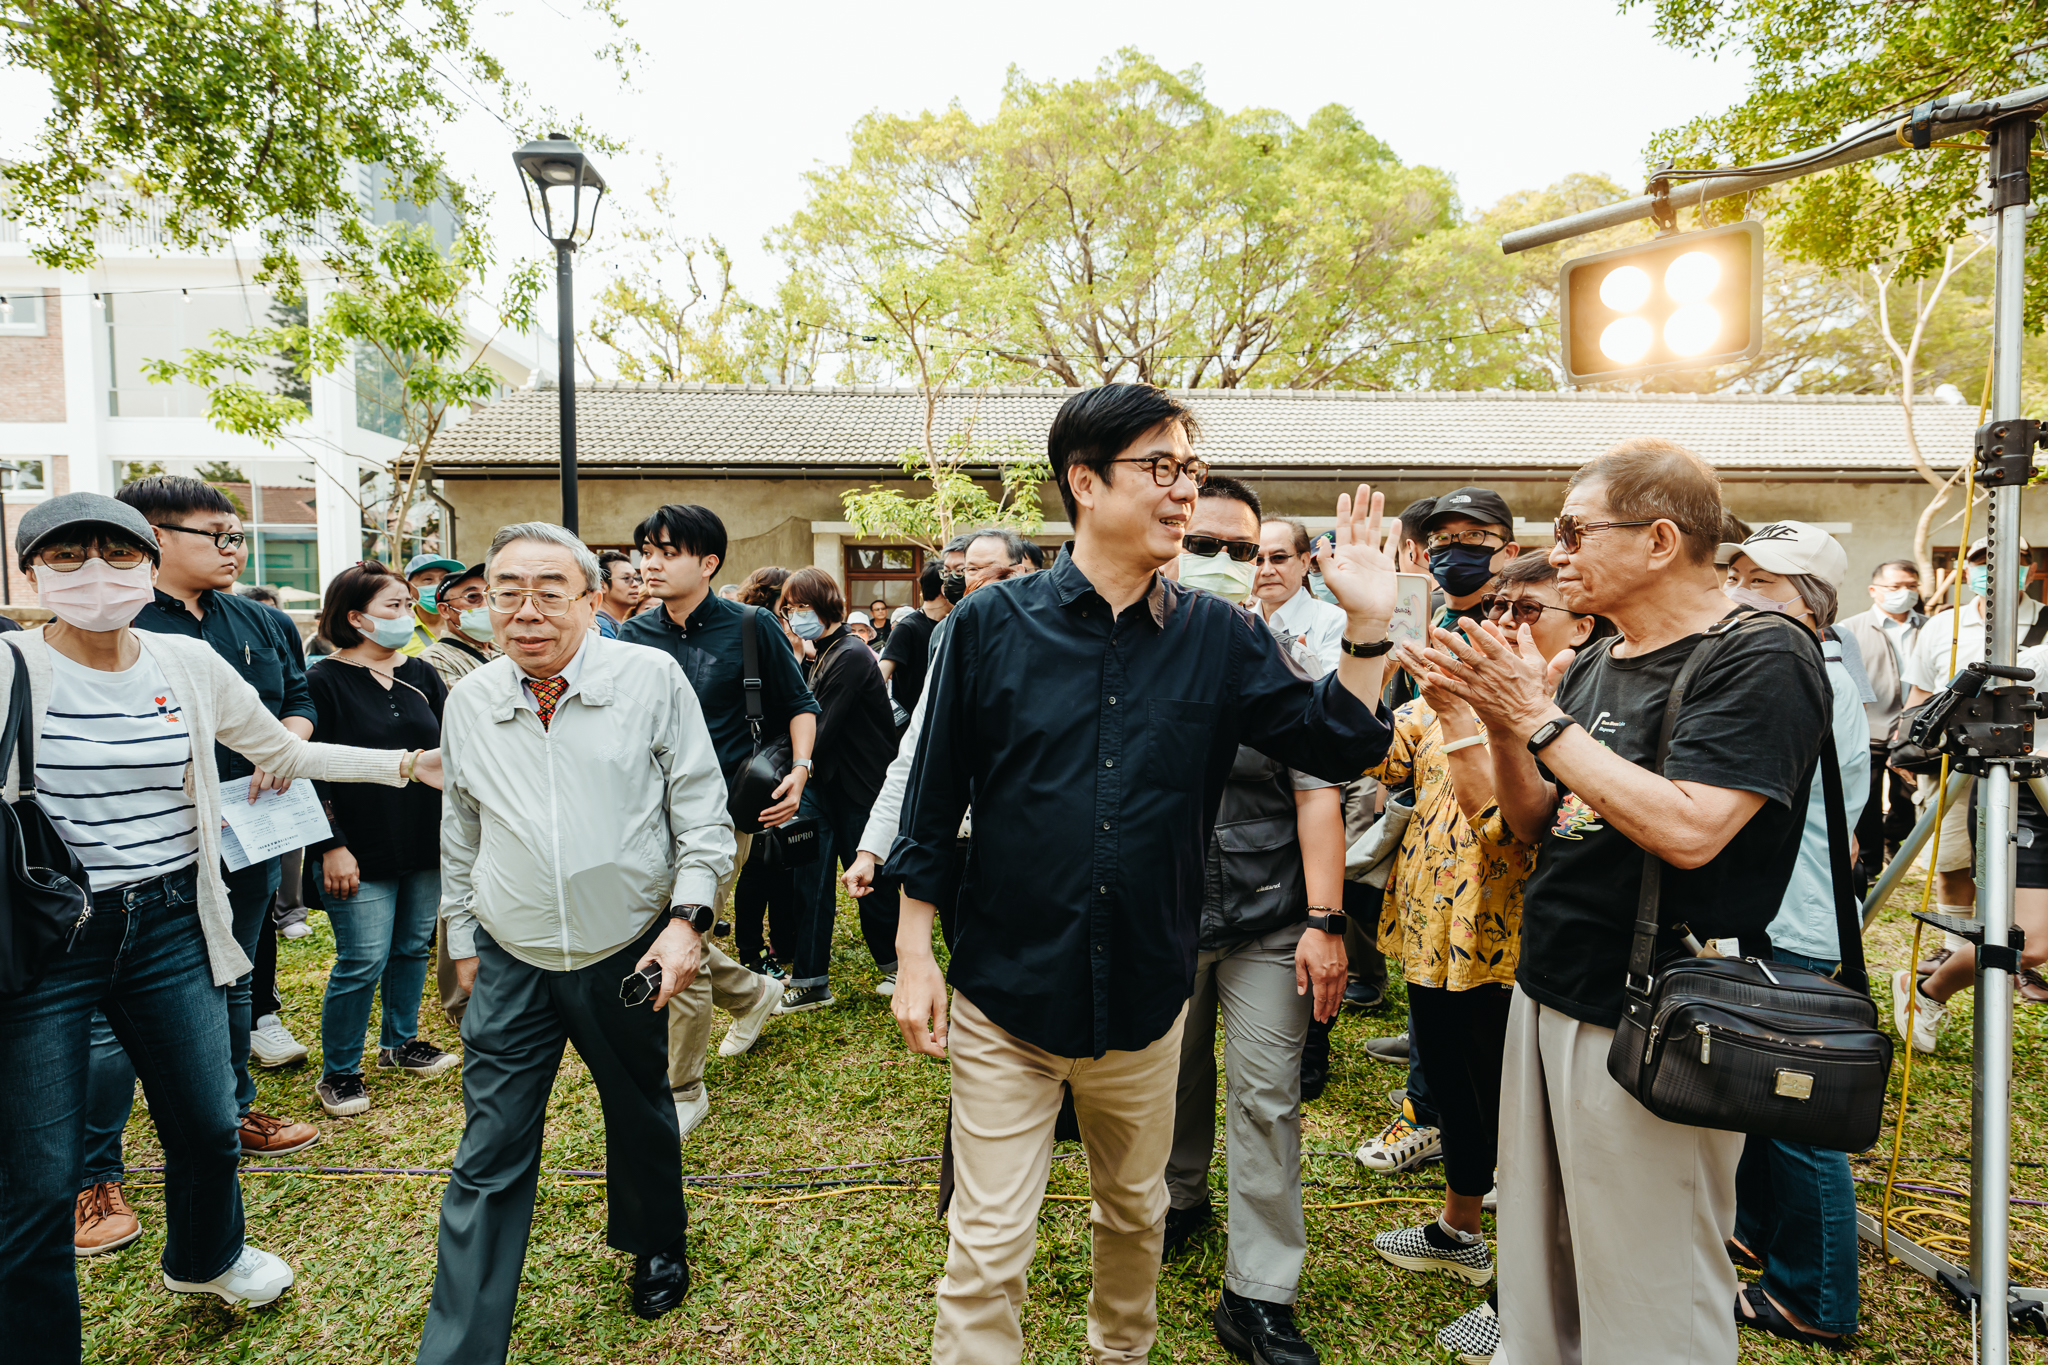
[263, 1135]
[1933, 964]
[102, 1220]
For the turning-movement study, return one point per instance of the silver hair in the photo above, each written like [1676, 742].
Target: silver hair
[1819, 595]
[958, 544]
[1013, 544]
[548, 534]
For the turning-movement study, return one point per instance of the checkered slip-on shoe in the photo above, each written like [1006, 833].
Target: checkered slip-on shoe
[1473, 1337]
[1401, 1146]
[1411, 1249]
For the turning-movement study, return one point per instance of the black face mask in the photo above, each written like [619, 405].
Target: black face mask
[1461, 570]
[953, 587]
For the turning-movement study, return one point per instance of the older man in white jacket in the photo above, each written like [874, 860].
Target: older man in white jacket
[585, 834]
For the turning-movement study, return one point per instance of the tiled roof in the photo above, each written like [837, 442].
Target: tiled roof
[740, 427]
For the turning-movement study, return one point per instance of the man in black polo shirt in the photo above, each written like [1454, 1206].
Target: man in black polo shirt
[1091, 714]
[681, 549]
[201, 539]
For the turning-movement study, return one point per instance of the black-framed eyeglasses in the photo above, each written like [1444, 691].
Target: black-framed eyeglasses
[1526, 611]
[1167, 469]
[1242, 551]
[1570, 530]
[222, 540]
[69, 557]
[1488, 539]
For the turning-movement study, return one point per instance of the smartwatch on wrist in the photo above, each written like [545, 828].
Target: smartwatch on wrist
[698, 917]
[806, 764]
[1324, 918]
[1549, 730]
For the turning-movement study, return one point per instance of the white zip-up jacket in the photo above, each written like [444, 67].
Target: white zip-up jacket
[565, 842]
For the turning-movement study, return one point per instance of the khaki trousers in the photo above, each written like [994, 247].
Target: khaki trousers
[1613, 1223]
[720, 981]
[1006, 1096]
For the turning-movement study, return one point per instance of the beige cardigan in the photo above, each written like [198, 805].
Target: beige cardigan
[217, 705]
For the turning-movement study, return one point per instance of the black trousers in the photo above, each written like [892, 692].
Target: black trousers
[518, 1020]
[1460, 1037]
[1879, 831]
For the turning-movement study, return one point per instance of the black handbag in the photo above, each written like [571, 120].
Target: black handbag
[43, 897]
[1763, 1048]
[792, 844]
[750, 788]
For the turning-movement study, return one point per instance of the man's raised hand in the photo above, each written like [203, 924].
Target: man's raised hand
[1359, 569]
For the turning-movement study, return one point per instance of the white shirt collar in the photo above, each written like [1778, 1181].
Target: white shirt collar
[569, 674]
[1289, 611]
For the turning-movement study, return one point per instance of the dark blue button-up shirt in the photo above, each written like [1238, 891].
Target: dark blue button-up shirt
[260, 641]
[1094, 750]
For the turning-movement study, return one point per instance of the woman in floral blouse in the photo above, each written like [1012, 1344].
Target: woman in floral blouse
[1454, 912]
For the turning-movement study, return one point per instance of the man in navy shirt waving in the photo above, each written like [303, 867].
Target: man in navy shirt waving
[1096, 708]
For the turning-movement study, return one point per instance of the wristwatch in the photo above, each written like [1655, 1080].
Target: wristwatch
[1324, 918]
[1371, 651]
[698, 917]
[1549, 730]
[808, 765]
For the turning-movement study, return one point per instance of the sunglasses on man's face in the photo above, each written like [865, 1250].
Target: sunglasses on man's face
[1243, 551]
[1525, 611]
[1571, 529]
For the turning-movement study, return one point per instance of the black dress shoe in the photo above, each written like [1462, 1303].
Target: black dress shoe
[1181, 1227]
[1359, 996]
[1263, 1333]
[661, 1280]
[1315, 1060]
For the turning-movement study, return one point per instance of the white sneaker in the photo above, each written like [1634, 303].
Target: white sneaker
[1927, 1014]
[746, 1028]
[1401, 1146]
[690, 1113]
[887, 985]
[256, 1278]
[271, 1044]
[1475, 1337]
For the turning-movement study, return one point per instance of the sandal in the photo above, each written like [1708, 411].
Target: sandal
[1768, 1319]
[1743, 1256]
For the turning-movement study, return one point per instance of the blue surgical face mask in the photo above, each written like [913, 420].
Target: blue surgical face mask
[1316, 588]
[805, 623]
[1217, 573]
[427, 596]
[1980, 579]
[1461, 570]
[476, 623]
[392, 632]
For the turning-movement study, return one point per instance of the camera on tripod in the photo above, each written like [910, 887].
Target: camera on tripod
[1978, 725]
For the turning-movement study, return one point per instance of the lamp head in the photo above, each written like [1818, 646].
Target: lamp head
[556, 173]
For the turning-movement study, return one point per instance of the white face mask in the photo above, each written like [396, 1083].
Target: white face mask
[1898, 601]
[1756, 601]
[1217, 573]
[95, 596]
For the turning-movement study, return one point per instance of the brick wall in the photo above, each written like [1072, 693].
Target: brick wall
[32, 370]
[22, 587]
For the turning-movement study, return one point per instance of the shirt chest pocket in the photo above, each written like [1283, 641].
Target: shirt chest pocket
[263, 670]
[1178, 735]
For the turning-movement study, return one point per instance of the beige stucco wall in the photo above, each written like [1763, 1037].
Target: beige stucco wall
[768, 520]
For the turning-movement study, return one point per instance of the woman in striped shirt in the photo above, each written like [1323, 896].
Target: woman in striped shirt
[123, 726]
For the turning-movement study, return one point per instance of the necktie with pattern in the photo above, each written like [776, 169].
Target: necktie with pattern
[546, 693]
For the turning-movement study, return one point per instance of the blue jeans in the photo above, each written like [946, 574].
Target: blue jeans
[384, 933]
[817, 895]
[141, 959]
[109, 1096]
[1795, 1206]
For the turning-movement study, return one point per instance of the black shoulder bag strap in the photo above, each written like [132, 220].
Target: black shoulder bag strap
[1642, 953]
[2036, 632]
[1848, 921]
[750, 671]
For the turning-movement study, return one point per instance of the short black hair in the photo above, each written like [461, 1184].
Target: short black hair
[1906, 564]
[1013, 544]
[1223, 486]
[605, 560]
[157, 496]
[928, 579]
[1097, 425]
[1412, 517]
[685, 526]
[256, 592]
[1034, 552]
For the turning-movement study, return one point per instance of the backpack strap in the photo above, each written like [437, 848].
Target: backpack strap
[750, 669]
[2036, 632]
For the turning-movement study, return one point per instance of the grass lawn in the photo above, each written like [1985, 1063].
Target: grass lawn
[849, 1276]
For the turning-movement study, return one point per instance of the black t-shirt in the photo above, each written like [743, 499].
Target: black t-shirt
[1753, 719]
[910, 650]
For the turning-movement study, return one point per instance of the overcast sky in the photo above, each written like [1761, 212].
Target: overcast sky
[741, 99]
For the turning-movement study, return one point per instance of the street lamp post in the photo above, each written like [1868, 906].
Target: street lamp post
[555, 172]
[8, 469]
